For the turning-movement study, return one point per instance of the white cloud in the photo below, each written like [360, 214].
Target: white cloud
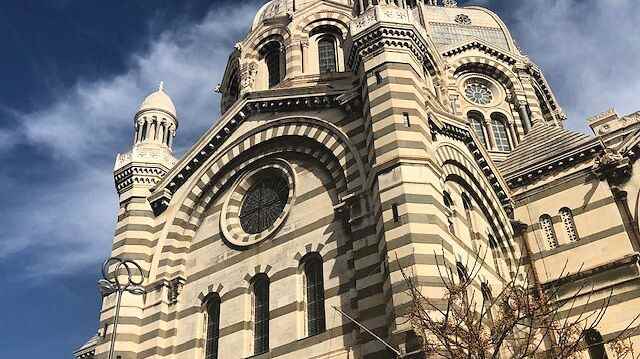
[68, 224]
[588, 49]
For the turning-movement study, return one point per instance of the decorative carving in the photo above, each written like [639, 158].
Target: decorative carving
[247, 76]
[450, 3]
[463, 19]
[175, 288]
[612, 166]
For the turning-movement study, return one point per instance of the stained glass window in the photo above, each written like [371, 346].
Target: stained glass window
[261, 316]
[213, 327]
[263, 204]
[315, 295]
[478, 93]
[327, 55]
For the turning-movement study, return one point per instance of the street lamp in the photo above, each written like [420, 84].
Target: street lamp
[108, 286]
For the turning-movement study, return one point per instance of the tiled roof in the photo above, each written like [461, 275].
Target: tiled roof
[542, 144]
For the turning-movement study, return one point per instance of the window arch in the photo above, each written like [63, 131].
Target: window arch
[212, 306]
[327, 54]
[569, 224]
[476, 120]
[493, 246]
[448, 202]
[260, 314]
[272, 54]
[487, 301]
[463, 274]
[546, 224]
[595, 343]
[500, 132]
[314, 293]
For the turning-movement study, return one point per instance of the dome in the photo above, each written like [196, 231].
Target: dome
[159, 100]
[272, 9]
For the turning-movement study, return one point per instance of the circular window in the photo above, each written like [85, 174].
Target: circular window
[263, 204]
[258, 203]
[478, 93]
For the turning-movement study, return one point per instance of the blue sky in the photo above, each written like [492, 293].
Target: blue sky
[73, 73]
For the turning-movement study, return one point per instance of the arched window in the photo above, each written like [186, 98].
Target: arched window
[569, 224]
[272, 53]
[314, 291]
[487, 300]
[493, 246]
[327, 54]
[546, 224]
[234, 87]
[595, 343]
[463, 275]
[144, 130]
[500, 133]
[261, 314]
[476, 120]
[448, 202]
[213, 326]
[468, 206]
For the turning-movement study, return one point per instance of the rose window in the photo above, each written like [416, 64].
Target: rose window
[263, 204]
[478, 93]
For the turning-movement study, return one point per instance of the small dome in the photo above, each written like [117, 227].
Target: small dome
[272, 9]
[159, 100]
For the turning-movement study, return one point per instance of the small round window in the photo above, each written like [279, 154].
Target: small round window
[263, 204]
[478, 93]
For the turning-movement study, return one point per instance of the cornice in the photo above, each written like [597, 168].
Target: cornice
[387, 35]
[541, 169]
[483, 47]
[278, 101]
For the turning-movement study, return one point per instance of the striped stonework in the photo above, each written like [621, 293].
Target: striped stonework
[384, 172]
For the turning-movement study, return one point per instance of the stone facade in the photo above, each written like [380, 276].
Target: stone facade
[371, 136]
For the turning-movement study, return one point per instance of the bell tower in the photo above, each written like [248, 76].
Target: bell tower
[155, 124]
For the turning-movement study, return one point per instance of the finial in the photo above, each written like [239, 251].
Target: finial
[161, 86]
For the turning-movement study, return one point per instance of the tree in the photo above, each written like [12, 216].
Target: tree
[520, 321]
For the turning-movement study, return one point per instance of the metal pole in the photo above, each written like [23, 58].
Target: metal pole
[115, 326]
[108, 286]
[371, 333]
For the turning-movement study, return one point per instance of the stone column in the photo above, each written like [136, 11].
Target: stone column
[524, 115]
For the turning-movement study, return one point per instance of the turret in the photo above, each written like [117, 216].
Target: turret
[155, 124]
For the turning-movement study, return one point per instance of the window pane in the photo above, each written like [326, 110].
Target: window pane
[261, 325]
[500, 135]
[315, 296]
[327, 55]
[213, 328]
[272, 59]
[478, 128]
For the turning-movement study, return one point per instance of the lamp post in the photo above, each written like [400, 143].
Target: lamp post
[112, 285]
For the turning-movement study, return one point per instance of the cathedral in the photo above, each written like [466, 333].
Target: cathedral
[357, 138]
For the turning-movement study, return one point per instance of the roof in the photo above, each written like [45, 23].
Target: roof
[159, 100]
[86, 351]
[542, 144]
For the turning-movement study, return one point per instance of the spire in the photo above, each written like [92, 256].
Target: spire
[161, 86]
